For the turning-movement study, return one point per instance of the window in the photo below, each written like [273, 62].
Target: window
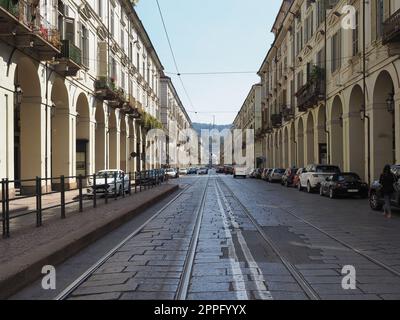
[356, 36]
[379, 18]
[85, 45]
[336, 51]
[112, 24]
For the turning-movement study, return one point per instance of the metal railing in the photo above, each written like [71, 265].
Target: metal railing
[71, 51]
[111, 187]
[391, 28]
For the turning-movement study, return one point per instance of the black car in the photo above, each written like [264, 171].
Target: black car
[344, 184]
[258, 172]
[288, 177]
[376, 200]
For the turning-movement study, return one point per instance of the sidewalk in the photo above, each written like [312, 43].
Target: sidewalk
[29, 249]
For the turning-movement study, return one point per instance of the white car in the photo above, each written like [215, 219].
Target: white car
[117, 182]
[172, 173]
[183, 171]
[314, 175]
[240, 172]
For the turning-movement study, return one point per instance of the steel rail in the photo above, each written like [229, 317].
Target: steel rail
[343, 243]
[184, 282]
[74, 285]
[307, 288]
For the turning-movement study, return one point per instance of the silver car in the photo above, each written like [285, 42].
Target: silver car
[276, 175]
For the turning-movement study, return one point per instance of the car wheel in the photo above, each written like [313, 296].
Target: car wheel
[331, 193]
[374, 202]
[309, 189]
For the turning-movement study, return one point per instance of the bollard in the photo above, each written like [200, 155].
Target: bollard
[115, 186]
[80, 183]
[106, 188]
[7, 208]
[62, 181]
[130, 183]
[38, 202]
[123, 185]
[94, 191]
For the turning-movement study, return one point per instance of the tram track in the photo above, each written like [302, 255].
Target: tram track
[185, 280]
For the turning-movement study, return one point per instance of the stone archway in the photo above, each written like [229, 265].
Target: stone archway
[323, 152]
[293, 142]
[383, 125]
[309, 133]
[286, 143]
[300, 143]
[356, 146]
[101, 136]
[113, 140]
[123, 138]
[337, 133]
[61, 127]
[29, 149]
[83, 141]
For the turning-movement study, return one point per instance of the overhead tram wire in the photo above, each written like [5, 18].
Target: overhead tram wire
[173, 55]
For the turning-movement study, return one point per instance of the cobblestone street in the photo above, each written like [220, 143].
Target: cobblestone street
[236, 239]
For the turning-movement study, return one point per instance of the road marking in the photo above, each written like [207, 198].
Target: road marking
[265, 295]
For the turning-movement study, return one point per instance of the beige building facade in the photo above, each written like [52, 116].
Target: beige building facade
[250, 117]
[331, 86]
[80, 86]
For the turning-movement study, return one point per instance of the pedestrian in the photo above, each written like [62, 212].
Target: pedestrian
[387, 180]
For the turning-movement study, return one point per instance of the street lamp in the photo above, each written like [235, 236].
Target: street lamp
[18, 94]
[390, 102]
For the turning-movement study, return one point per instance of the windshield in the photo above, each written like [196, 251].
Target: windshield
[328, 169]
[109, 174]
[348, 178]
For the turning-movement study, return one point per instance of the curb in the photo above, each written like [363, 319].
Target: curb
[56, 256]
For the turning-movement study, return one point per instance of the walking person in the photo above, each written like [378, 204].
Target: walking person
[387, 180]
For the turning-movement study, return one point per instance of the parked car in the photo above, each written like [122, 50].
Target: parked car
[258, 173]
[192, 171]
[288, 177]
[276, 175]
[203, 171]
[240, 171]
[376, 200]
[228, 169]
[117, 182]
[220, 170]
[344, 184]
[296, 177]
[172, 173]
[266, 174]
[183, 171]
[314, 175]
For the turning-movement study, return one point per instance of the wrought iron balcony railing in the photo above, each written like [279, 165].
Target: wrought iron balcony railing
[287, 112]
[313, 91]
[391, 28]
[276, 120]
[70, 58]
[22, 25]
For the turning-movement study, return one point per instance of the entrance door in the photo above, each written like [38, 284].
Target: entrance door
[323, 153]
[81, 157]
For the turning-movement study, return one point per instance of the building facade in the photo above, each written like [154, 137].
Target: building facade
[178, 127]
[331, 86]
[250, 117]
[79, 90]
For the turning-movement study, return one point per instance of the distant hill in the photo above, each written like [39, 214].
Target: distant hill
[207, 126]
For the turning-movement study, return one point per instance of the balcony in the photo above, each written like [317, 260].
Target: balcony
[287, 113]
[106, 89]
[70, 59]
[391, 29]
[22, 26]
[276, 120]
[312, 92]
